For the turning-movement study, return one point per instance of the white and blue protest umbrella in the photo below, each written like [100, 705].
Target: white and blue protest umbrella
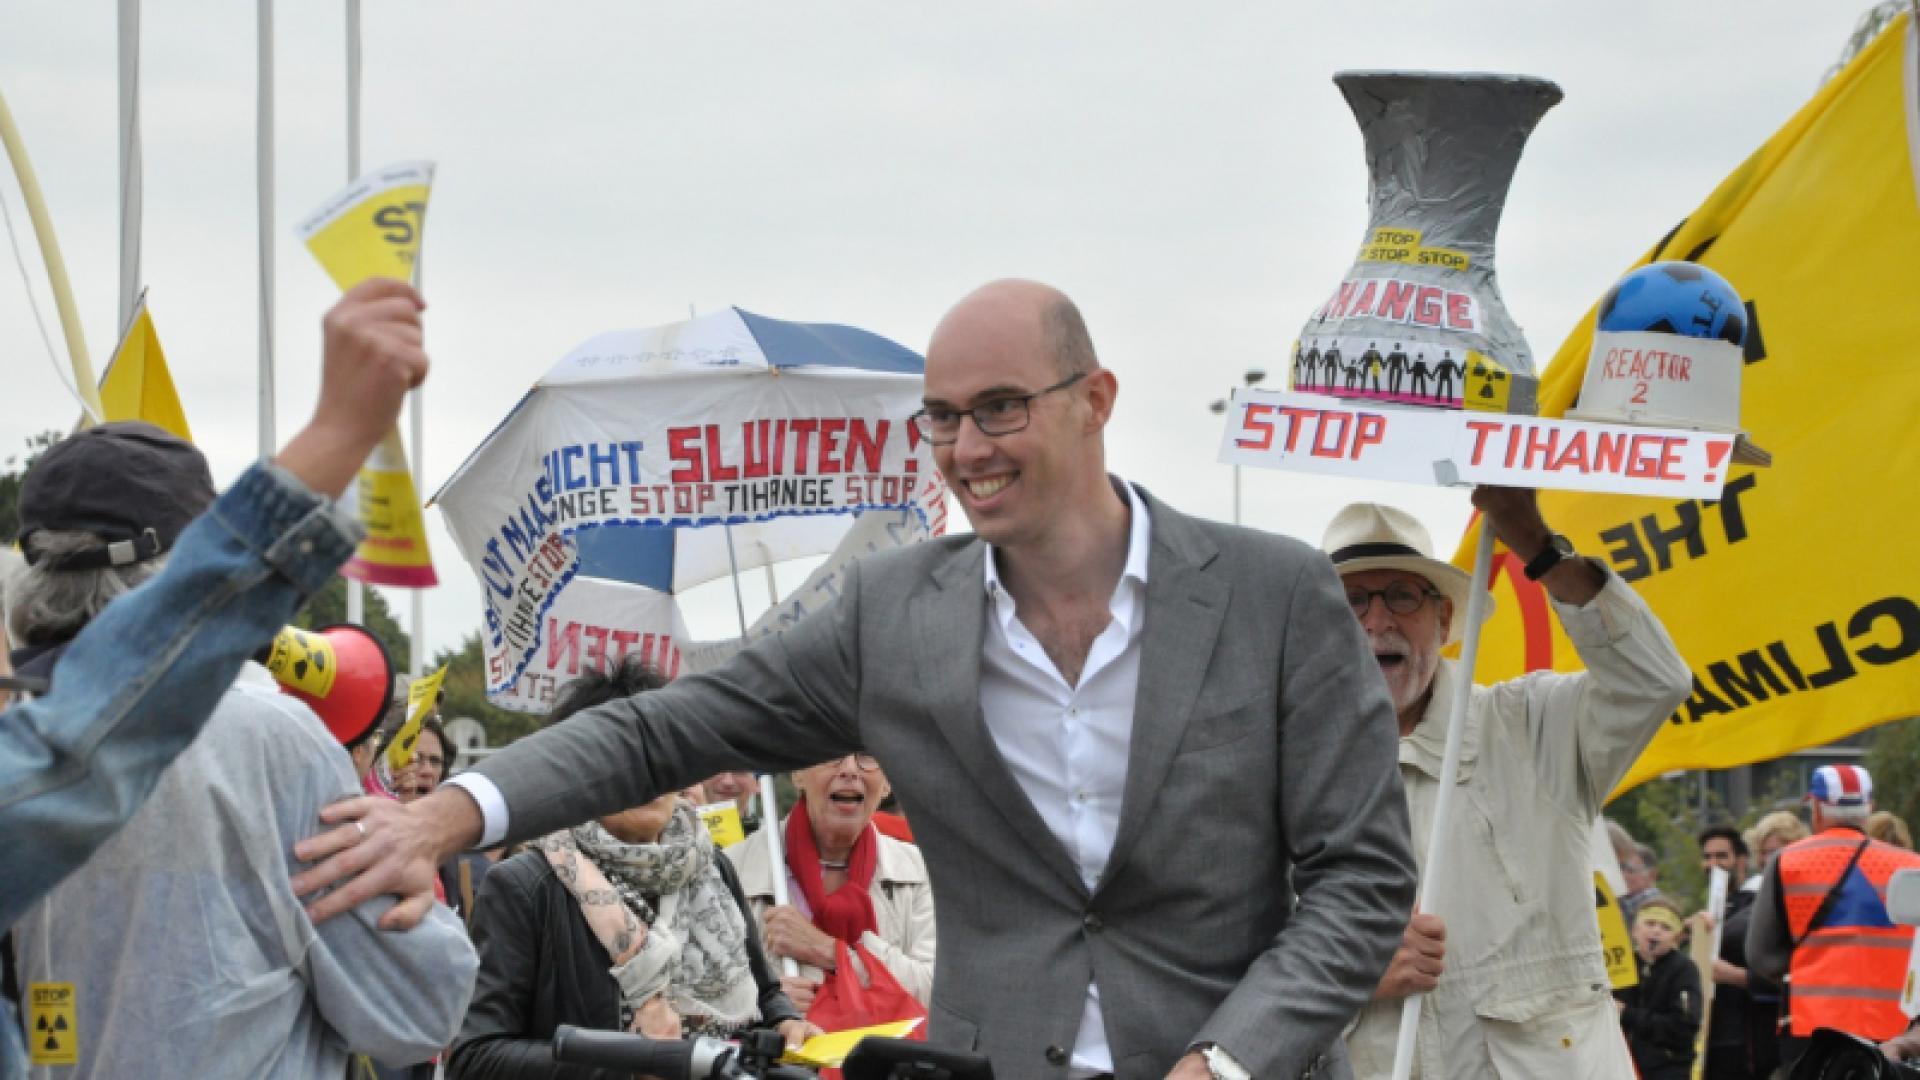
[649, 461]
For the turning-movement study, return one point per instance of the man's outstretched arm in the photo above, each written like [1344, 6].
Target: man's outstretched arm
[784, 703]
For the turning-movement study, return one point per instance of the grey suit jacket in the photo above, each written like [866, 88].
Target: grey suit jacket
[1261, 876]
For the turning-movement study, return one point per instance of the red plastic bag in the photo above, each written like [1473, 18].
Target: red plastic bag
[843, 1002]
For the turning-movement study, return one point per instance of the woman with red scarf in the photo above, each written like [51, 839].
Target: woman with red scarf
[846, 881]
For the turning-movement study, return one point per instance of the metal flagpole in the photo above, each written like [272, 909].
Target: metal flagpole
[417, 416]
[131, 198]
[769, 803]
[353, 90]
[263, 182]
[1449, 765]
[356, 592]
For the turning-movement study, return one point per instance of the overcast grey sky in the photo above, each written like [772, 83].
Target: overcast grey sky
[1187, 172]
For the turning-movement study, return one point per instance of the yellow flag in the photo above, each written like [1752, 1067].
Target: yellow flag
[421, 696]
[1795, 598]
[1615, 943]
[723, 823]
[373, 229]
[830, 1051]
[137, 385]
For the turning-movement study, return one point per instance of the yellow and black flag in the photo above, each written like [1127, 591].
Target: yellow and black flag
[1795, 598]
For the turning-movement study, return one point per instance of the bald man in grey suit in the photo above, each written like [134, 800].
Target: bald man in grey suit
[1150, 759]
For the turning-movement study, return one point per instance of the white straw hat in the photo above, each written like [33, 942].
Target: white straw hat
[1368, 536]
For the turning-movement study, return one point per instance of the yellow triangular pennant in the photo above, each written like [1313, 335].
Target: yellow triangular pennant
[137, 384]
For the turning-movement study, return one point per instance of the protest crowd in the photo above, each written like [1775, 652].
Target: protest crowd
[222, 885]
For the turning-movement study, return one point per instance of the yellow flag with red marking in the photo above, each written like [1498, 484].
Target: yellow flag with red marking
[374, 228]
[1795, 597]
[395, 551]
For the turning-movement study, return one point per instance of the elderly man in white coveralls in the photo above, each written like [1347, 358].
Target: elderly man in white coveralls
[1508, 952]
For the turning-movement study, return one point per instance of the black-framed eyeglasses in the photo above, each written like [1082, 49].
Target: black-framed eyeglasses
[1000, 416]
[1401, 598]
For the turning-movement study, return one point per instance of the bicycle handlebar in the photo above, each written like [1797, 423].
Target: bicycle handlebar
[669, 1059]
[712, 1059]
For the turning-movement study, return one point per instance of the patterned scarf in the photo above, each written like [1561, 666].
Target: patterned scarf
[695, 950]
[846, 912]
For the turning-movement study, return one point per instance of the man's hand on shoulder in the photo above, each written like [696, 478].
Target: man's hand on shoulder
[1419, 962]
[384, 848]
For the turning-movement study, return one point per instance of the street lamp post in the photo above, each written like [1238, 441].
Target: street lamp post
[1219, 407]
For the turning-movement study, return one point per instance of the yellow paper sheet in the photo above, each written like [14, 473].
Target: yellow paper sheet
[829, 1051]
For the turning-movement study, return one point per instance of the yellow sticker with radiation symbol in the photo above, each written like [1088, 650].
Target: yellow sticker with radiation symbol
[303, 660]
[1488, 385]
[53, 1032]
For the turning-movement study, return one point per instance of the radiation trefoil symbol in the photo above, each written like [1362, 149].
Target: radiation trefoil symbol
[52, 1032]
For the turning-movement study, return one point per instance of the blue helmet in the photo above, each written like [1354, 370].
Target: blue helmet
[1675, 298]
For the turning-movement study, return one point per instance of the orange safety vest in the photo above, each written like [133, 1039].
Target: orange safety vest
[1847, 972]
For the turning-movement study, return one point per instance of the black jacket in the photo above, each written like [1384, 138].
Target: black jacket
[541, 966]
[1662, 1017]
[1727, 1033]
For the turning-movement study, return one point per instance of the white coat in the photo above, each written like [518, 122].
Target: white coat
[902, 908]
[1525, 992]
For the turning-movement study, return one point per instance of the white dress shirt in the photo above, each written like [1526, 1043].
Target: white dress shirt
[1067, 745]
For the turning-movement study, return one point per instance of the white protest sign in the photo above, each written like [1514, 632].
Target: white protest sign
[1317, 434]
[630, 479]
[593, 624]
[1706, 949]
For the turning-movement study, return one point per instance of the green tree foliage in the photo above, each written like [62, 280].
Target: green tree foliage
[1893, 758]
[466, 687]
[12, 472]
[329, 606]
[1664, 815]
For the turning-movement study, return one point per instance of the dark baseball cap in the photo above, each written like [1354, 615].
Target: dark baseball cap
[133, 484]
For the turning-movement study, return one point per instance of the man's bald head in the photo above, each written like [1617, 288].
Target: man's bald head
[1015, 308]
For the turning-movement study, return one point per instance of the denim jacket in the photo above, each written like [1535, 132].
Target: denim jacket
[138, 683]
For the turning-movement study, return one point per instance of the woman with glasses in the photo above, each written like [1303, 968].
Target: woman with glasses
[431, 758]
[846, 882]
